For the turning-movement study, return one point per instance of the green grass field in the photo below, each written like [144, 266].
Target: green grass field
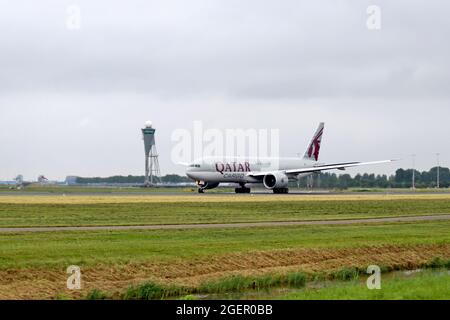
[428, 285]
[58, 249]
[75, 214]
[60, 189]
[32, 265]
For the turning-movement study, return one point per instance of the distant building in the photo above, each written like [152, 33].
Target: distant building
[71, 180]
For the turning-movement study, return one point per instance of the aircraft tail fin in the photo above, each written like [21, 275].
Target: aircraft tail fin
[312, 153]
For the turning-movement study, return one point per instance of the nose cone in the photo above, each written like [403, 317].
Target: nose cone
[194, 175]
[190, 172]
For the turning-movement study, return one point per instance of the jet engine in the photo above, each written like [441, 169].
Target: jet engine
[276, 180]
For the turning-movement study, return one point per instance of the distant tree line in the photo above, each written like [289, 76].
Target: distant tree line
[401, 179]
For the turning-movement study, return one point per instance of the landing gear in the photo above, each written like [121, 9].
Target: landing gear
[242, 190]
[281, 190]
[203, 185]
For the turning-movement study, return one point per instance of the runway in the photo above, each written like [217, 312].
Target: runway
[229, 225]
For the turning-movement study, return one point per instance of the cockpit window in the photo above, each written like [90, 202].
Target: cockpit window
[194, 166]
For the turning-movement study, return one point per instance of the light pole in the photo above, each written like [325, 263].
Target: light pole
[438, 165]
[414, 172]
[298, 177]
[318, 180]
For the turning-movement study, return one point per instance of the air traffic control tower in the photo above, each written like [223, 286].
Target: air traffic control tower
[152, 172]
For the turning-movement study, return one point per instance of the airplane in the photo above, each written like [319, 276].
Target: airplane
[42, 179]
[273, 173]
[21, 184]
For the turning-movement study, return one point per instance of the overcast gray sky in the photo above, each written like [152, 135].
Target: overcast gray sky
[72, 100]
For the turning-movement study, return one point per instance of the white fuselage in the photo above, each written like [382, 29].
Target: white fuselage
[218, 169]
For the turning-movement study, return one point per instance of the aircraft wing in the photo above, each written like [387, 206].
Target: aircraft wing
[324, 167]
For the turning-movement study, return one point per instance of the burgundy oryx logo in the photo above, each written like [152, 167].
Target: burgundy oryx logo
[314, 147]
[232, 167]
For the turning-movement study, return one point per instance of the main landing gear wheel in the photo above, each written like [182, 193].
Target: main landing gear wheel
[200, 190]
[281, 190]
[242, 190]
